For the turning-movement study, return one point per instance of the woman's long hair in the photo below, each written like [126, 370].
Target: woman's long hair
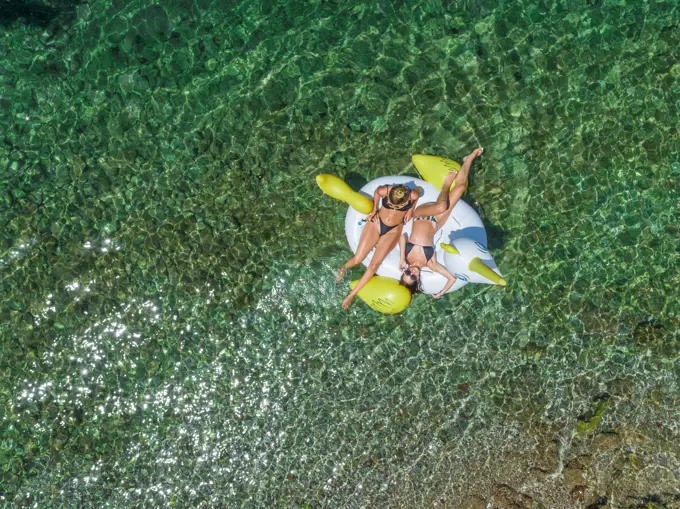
[413, 287]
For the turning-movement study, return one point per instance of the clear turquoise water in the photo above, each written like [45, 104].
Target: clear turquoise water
[171, 333]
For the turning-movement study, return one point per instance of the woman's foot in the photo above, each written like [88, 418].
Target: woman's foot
[340, 274]
[475, 153]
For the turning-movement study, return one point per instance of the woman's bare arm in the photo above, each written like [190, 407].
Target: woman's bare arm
[415, 196]
[379, 192]
[450, 278]
[402, 252]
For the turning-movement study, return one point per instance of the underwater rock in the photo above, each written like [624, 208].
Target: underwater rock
[578, 492]
[622, 388]
[548, 455]
[574, 475]
[153, 23]
[648, 331]
[660, 501]
[607, 441]
[598, 503]
[84, 12]
[504, 497]
[33, 13]
[589, 421]
[473, 502]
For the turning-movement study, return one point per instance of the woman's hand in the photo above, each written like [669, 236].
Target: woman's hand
[348, 301]
[403, 265]
[440, 269]
[371, 217]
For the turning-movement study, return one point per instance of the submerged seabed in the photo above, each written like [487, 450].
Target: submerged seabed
[171, 333]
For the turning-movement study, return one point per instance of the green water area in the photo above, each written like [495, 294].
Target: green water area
[171, 333]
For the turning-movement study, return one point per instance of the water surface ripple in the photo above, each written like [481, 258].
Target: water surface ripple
[171, 333]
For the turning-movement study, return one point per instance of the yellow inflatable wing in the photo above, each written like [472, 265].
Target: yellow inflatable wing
[384, 294]
[433, 169]
[338, 189]
[449, 248]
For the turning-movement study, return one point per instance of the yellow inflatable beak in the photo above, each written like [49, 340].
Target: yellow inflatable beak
[384, 294]
[338, 189]
[478, 266]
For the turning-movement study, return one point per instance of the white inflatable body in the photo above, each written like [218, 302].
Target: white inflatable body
[464, 230]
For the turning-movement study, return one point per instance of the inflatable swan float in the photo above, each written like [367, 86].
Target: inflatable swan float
[460, 244]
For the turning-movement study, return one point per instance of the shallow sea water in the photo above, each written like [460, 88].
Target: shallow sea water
[171, 333]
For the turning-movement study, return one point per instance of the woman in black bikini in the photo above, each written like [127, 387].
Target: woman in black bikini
[386, 223]
[418, 251]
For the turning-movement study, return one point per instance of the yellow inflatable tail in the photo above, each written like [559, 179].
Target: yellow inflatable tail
[433, 169]
[384, 294]
[338, 189]
[478, 266]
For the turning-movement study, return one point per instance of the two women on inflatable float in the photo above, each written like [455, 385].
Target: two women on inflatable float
[443, 228]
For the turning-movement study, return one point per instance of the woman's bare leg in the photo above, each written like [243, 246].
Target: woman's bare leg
[461, 182]
[438, 207]
[370, 236]
[385, 244]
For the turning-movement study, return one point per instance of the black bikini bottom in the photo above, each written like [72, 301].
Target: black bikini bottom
[384, 228]
[427, 250]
